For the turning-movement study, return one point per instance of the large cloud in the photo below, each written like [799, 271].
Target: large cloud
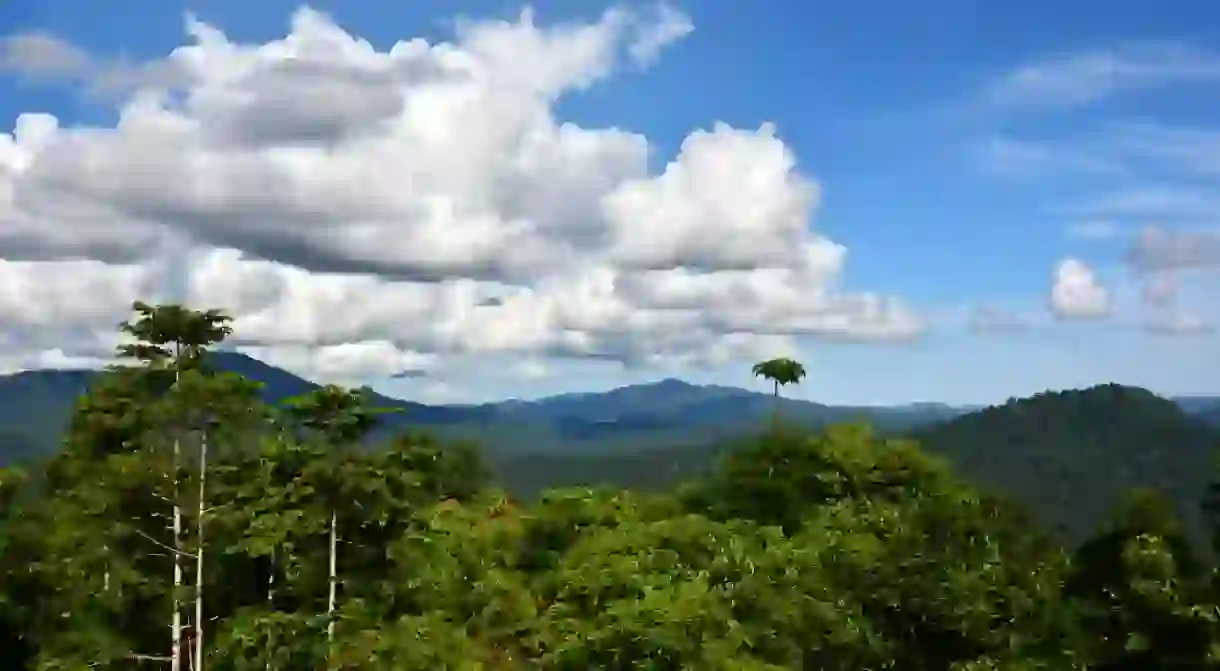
[365, 212]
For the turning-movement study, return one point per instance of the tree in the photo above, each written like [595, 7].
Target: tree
[782, 372]
[175, 339]
[340, 418]
[210, 402]
[1138, 587]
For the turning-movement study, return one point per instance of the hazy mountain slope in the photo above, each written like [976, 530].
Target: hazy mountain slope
[1205, 408]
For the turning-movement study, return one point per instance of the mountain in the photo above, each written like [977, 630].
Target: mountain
[1205, 408]
[1067, 455]
[1070, 456]
[35, 407]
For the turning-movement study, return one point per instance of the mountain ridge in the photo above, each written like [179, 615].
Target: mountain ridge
[666, 413]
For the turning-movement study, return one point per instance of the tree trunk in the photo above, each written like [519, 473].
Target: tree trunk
[203, 475]
[270, 609]
[775, 407]
[175, 654]
[330, 604]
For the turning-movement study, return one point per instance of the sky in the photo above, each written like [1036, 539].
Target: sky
[459, 202]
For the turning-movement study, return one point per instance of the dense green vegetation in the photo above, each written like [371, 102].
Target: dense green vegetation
[188, 522]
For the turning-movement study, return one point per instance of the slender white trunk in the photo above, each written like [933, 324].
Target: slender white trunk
[270, 607]
[271, 582]
[330, 603]
[203, 475]
[175, 655]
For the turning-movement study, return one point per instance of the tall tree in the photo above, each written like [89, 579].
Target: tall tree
[172, 338]
[340, 418]
[781, 372]
[210, 403]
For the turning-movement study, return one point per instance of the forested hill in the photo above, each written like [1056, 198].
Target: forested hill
[1069, 456]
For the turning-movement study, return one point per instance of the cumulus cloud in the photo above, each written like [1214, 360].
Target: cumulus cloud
[1076, 293]
[363, 213]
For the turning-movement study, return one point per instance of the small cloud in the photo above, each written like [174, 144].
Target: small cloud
[1160, 291]
[1185, 149]
[1180, 325]
[668, 26]
[1014, 158]
[1157, 249]
[531, 369]
[1153, 201]
[994, 321]
[1077, 293]
[1093, 229]
[41, 55]
[1079, 79]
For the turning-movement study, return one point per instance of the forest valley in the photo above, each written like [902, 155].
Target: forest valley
[187, 525]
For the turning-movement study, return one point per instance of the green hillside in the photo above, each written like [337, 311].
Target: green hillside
[1071, 455]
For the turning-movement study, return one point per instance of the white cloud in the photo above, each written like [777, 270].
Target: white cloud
[70, 295]
[730, 200]
[1160, 291]
[1076, 292]
[1159, 249]
[38, 54]
[670, 25]
[346, 363]
[1155, 201]
[1010, 157]
[1180, 325]
[1190, 150]
[1078, 79]
[1094, 229]
[363, 213]
[987, 320]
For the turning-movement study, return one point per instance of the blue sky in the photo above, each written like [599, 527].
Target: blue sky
[962, 154]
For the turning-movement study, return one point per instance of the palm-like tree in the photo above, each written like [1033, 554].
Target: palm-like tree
[781, 372]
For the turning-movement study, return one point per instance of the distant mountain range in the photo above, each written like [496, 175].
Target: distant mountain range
[1066, 455]
[35, 406]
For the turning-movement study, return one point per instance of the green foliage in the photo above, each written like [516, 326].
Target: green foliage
[781, 371]
[838, 551]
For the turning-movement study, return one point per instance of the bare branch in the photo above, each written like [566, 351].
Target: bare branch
[161, 545]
